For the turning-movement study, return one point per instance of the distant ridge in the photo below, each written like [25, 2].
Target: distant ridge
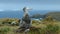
[55, 15]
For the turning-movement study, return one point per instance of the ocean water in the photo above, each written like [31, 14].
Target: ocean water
[19, 14]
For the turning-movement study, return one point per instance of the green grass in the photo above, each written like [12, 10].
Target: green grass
[37, 29]
[45, 27]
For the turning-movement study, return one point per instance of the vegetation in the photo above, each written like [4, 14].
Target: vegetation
[4, 30]
[55, 15]
[47, 26]
[7, 21]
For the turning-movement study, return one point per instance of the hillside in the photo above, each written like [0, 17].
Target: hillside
[55, 15]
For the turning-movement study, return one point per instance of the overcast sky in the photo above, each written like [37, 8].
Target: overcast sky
[35, 4]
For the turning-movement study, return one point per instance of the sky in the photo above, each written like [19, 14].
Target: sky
[34, 4]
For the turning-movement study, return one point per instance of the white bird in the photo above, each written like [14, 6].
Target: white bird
[25, 9]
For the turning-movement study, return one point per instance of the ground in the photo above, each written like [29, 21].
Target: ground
[38, 28]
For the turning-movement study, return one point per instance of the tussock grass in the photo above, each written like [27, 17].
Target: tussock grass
[4, 30]
[45, 27]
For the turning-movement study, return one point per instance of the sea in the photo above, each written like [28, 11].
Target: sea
[19, 14]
